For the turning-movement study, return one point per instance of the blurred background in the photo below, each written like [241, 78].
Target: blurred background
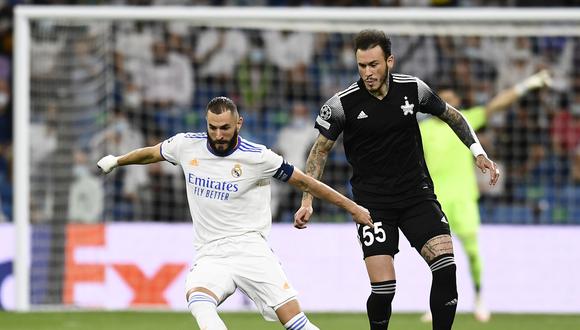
[101, 88]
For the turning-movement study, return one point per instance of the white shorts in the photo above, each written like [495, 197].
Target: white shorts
[245, 262]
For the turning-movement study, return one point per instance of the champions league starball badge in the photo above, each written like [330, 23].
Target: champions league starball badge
[237, 171]
[325, 112]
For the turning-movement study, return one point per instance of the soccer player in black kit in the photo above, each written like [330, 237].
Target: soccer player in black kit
[382, 143]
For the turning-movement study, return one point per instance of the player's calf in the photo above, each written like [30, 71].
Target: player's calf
[443, 298]
[203, 307]
[379, 304]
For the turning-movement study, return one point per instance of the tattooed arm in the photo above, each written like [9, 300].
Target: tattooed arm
[460, 126]
[314, 168]
[465, 132]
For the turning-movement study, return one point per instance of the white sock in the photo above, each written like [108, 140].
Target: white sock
[300, 322]
[203, 307]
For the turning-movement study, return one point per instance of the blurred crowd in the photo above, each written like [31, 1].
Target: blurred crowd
[98, 90]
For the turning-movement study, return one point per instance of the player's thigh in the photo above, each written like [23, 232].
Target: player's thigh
[213, 275]
[383, 239]
[425, 222]
[463, 216]
[260, 276]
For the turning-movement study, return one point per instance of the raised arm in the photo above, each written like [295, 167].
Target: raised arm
[146, 155]
[507, 97]
[314, 187]
[465, 132]
[314, 168]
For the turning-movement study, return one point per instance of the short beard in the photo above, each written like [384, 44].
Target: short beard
[231, 144]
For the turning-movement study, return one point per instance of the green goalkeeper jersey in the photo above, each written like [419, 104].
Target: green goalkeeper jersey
[449, 161]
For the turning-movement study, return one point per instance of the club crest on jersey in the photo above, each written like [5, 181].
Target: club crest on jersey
[407, 107]
[237, 171]
[325, 112]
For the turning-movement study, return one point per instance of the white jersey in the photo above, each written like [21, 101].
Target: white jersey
[228, 196]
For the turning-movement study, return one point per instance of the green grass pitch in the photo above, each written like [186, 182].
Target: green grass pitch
[252, 321]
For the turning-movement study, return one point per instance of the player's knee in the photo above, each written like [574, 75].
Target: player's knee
[203, 307]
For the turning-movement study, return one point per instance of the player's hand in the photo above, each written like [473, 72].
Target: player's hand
[302, 216]
[486, 164]
[107, 163]
[362, 216]
[538, 80]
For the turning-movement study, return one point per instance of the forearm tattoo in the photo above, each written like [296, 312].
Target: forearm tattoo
[460, 126]
[317, 159]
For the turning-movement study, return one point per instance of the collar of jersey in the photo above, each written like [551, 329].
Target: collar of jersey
[229, 153]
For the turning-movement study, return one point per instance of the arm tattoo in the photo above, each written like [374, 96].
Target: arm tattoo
[460, 126]
[317, 159]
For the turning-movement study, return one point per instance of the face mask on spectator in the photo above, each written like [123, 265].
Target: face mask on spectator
[256, 56]
[347, 57]
[132, 99]
[80, 171]
[575, 109]
[3, 99]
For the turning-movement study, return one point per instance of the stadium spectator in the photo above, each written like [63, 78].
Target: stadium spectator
[125, 188]
[293, 143]
[292, 52]
[255, 79]
[417, 56]
[167, 79]
[454, 177]
[378, 117]
[43, 127]
[228, 192]
[218, 51]
[565, 128]
[86, 195]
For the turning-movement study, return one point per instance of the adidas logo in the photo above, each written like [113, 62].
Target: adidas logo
[444, 220]
[452, 302]
[362, 115]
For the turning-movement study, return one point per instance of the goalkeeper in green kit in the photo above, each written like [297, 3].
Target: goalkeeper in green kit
[454, 176]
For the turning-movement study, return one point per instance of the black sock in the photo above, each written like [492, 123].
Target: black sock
[379, 304]
[443, 300]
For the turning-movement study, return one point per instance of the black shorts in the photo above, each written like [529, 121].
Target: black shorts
[419, 223]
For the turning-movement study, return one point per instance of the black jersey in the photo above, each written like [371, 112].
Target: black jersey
[382, 141]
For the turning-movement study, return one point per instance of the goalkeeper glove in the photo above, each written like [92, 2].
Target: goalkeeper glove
[540, 79]
[107, 163]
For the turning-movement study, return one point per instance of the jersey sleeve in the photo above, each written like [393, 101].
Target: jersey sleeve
[429, 102]
[275, 166]
[170, 148]
[330, 120]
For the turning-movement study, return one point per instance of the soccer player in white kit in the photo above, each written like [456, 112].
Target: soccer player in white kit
[228, 190]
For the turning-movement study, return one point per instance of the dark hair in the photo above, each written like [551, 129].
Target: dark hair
[221, 104]
[367, 39]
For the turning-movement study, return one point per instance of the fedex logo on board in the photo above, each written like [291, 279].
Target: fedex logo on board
[118, 266]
